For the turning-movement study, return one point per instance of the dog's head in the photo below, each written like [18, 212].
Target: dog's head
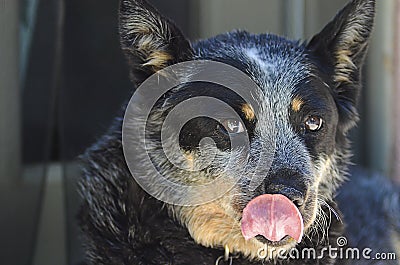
[305, 107]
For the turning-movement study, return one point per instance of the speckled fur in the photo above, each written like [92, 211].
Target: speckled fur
[122, 224]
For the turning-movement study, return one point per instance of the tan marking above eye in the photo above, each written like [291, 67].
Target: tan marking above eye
[297, 103]
[248, 112]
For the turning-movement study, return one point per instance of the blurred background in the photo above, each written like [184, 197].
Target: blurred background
[63, 79]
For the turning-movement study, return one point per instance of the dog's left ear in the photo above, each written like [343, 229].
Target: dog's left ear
[342, 46]
[149, 40]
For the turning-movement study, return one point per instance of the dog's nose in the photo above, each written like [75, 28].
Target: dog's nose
[292, 188]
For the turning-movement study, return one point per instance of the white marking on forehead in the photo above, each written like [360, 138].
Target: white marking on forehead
[279, 73]
[268, 73]
[253, 54]
[277, 77]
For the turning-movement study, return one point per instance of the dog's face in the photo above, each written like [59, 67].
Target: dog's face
[308, 92]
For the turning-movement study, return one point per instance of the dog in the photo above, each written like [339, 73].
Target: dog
[308, 94]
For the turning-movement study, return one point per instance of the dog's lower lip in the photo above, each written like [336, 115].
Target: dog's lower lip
[282, 242]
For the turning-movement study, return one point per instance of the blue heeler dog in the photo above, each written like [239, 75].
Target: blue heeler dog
[306, 106]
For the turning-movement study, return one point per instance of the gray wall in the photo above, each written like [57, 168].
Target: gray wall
[9, 92]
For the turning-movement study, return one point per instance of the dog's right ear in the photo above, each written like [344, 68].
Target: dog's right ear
[149, 40]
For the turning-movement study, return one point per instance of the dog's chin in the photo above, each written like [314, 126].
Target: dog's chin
[271, 250]
[287, 240]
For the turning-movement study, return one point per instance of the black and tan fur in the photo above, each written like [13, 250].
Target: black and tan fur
[122, 224]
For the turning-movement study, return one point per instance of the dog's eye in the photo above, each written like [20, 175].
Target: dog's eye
[233, 126]
[313, 123]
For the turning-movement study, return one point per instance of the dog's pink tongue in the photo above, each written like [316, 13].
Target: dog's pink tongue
[273, 216]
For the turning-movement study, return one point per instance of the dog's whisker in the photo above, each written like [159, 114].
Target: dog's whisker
[331, 209]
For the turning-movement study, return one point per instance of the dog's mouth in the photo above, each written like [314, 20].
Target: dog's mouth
[283, 242]
[272, 219]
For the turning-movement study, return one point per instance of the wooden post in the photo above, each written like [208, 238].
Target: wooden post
[380, 93]
[294, 20]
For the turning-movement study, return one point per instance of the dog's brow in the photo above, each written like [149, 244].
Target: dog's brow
[248, 111]
[297, 103]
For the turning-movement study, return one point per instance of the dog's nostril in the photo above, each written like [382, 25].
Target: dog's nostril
[298, 202]
[294, 195]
